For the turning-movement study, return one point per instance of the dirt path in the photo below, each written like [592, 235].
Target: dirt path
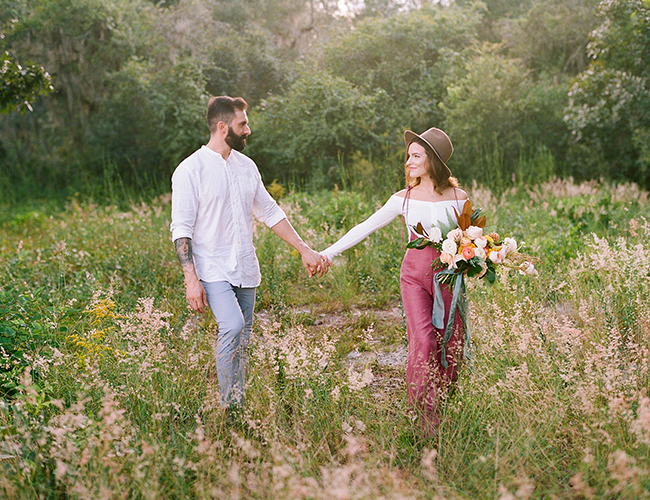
[380, 348]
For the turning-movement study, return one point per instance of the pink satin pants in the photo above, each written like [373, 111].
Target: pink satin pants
[426, 378]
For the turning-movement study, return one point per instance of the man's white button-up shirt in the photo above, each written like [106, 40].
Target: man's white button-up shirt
[213, 203]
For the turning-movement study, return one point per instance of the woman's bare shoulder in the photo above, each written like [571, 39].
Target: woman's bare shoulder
[454, 194]
[462, 195]
[401, 194]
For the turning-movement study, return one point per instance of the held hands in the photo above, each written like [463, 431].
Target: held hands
[312, 261]
[315, 263]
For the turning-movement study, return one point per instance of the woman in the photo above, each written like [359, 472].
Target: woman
[429, 198]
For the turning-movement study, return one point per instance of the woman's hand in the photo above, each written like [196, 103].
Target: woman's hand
[314, 263]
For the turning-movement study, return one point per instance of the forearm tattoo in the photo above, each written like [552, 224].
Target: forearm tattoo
[184, 251]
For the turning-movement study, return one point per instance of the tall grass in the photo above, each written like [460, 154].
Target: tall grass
[110, 390]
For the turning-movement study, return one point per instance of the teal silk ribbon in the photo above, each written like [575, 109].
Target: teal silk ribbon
[459, 300]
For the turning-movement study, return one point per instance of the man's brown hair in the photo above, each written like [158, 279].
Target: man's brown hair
[222, 109]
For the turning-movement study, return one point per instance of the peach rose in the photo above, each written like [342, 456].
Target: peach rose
[446, 258]
[481, 242]
[468, 253]
[455, 235]
[474, 232]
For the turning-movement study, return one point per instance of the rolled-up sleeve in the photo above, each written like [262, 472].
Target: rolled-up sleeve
[265, 208]
[184, 204]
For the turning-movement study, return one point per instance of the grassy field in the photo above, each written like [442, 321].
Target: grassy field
[109, 385]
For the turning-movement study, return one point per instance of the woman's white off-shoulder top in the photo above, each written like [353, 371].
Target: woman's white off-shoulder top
[429, 213]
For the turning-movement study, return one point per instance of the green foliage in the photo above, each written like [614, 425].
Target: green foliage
[23, 333]
[151, 119]
[132, 83]
[21, 84]
[498, 115]
[347, 114]
[320, 122]
[330, 95]
[552, 36]
[609, 107]
[407, 57]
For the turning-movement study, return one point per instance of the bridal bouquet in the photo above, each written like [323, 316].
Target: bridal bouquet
[466, 250]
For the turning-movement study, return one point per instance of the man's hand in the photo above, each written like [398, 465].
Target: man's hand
[314, 263]
[195, 294]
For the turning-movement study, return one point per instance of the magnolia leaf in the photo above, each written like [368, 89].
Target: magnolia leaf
[480, 222]
[464, 221]
[467, 208]
[419, 229]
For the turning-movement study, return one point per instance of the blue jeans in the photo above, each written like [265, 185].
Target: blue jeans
[233, 309]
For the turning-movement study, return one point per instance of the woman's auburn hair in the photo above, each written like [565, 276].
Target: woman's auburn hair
[435, 168]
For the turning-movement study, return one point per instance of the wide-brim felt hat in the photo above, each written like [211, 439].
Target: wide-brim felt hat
[437, 140]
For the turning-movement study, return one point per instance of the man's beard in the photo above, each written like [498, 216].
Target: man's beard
[236, 142]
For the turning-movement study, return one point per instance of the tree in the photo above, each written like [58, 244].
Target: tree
[358, 96]
[132, 78]
[406, 56]
[609, 104]
[552, 36]
[498, 115]
[21, 84]
[497, 14]
[307, 134]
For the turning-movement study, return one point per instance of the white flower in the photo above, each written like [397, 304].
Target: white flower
[498, 257]
[510, 244]
[479, 252]
[474, 232]
[481, 242]
[435, 235]
[528, 269]
[455, 234]
[449, 246]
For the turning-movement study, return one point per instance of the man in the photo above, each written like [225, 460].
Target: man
[215, 193]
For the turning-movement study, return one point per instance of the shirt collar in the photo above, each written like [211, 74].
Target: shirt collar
[232, 158]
